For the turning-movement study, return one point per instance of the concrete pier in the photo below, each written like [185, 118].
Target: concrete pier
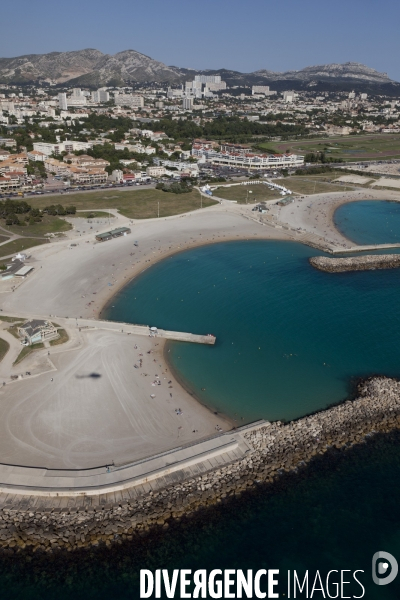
[364, 248]
[146, 330]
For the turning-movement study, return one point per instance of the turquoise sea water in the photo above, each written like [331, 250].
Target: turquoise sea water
[285, 321]
[369, 222]
[290, 339]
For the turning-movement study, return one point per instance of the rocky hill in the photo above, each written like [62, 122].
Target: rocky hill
[349, 70]
[92, 67]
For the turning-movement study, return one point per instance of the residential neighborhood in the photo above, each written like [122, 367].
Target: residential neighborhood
[199, 129]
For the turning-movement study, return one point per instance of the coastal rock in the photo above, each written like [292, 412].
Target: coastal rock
[275, 448]
[369, 262]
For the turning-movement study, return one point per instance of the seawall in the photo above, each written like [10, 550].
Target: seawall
[268, 449]
[356, 263]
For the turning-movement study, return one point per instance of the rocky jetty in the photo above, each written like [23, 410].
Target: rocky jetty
[369, 262]
[275, 448]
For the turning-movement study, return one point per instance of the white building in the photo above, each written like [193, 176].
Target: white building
[187, 103]
[129, 100]
[289, 96]
[117, 176]
[155, 171]
[76, 100]
[247, 160]
[208, 78]
[171, 94]
[204, 85]
[68, 146]
[100, 96]
[62, 101]
[262, 89]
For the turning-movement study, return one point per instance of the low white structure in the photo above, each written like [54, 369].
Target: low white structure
[249, 160]
[68, 146]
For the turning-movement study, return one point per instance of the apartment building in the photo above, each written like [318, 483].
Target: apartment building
[129, 100]
[248, 160]
[86, 161]
[155, 171]
[68, 146]
[62, 101]
[36, 156]
[262, 89]
[187, 103]
[4, 155]
[100, 96]
[88, 176]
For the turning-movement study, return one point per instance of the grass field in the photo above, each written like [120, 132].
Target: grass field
[351, 148]
[134, 204]
[3, 238]
[10, 319]
[19, 245]
[4, 348]
[62, 339]
[239, 193]
[48, 224]
[26, 350]
[302, 185]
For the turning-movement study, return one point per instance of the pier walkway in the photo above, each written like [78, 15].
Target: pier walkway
[140, 330]
[365, 248]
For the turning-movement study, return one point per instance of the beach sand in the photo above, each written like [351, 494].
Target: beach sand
[85, 404]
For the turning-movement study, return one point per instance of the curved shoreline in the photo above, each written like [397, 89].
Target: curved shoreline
[169, 254]
[335, 224]
[184, 384]
[272, 449]
[216, 224]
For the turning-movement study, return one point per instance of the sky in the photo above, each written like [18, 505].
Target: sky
[278, 35]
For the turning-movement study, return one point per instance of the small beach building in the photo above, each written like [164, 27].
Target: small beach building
[109, 235]
[16, 268]
[37, 331]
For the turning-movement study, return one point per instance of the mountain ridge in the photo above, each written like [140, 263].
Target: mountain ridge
[91, 67]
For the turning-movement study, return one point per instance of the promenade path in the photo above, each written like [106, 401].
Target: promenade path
[136, 478]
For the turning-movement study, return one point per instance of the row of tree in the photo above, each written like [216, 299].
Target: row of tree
[175, 188]
[224, 128]
[19, 212]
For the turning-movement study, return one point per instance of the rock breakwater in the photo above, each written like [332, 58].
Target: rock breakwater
[369, 262]
[274, 448]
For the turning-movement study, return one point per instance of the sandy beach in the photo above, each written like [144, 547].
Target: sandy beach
[85, 404]
[315, 214]
[108, 396]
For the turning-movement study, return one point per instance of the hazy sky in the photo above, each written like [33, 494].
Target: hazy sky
[241, 35]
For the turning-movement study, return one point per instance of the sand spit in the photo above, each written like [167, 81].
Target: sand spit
[356, 263]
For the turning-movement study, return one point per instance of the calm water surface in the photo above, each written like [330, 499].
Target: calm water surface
[369, 222]
[290, 339]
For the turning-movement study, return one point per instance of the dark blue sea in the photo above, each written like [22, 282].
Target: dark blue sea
[290, 340]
